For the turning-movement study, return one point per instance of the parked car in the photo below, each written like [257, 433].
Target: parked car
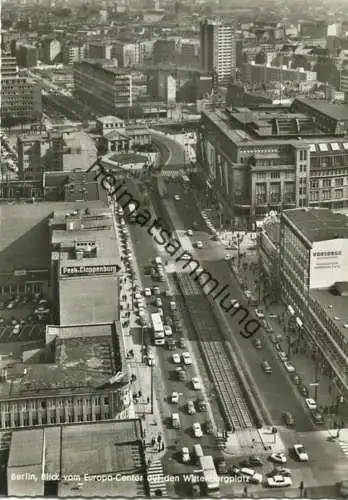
[209, 428]
[289, 367]
[186, 357]
[251, 461]
[174, 398]
[282, 356]
[181, 374]
[303, 390]
[266, 367]
[280, 471]
[258, 343]
[191, 410]
[196, 384]
[253, 477]
[175, 358]
[259, 313]
[185, 455]
[296, 379]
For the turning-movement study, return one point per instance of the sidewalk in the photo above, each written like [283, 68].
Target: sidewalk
[141, 386]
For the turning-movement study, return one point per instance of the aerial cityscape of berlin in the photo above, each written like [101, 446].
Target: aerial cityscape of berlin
[174, 249]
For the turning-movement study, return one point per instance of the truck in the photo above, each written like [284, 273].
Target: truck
[157, 329]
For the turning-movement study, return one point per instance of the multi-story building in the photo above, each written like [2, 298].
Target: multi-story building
[165, 50]
[105, 88]
[99, 50]
[32, 151]
[189, 52]
[265, 73]
[20, 99]
[344, 83]
[73, 52]
[273, 158]
[82, 375]
[50, 50]
[128, 53]
[313, 29]
[314, 283]
[218, 50]
[27, 56]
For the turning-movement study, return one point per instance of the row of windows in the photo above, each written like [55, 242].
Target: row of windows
[26, 421]
[327, 254]
[326, 195]
[303, 155]
[53, 404]
[339, 182]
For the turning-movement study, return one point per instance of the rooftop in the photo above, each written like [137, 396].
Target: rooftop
[24, 242]
[318, 224]
[334, 111]
[79, 364]
[335, 306]
[109, 119]
[87, 448]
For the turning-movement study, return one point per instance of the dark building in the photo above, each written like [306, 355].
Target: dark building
[27, 56]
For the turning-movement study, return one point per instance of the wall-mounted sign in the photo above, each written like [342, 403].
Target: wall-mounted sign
[89, 270]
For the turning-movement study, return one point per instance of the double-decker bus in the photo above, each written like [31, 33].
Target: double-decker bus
[158, 330]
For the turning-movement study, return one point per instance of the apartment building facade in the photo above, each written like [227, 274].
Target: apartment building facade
[128, 53]
[265, 73]
[218, 49]
[258, 160]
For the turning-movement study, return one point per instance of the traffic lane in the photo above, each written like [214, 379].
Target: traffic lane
[174, 153]
[276, 388]
[188, 210]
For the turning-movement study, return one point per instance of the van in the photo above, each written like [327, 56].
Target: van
[266, 367]
[172, 305]
[175, 420]
[197, 452]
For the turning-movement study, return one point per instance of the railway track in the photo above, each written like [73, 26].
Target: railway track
[223, 374]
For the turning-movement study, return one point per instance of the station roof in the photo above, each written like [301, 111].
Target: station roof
[318, 224]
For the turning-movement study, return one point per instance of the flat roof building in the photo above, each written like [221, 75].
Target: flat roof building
[68, 460]
[314, 280]
[266, 158]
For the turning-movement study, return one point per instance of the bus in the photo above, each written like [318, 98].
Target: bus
[210, 477]
[158, 330]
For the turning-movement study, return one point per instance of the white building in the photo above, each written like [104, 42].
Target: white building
[218, 49]
[314, 284]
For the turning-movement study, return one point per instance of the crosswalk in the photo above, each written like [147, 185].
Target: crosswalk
[155, 479]
[344, 447]
[171, 173]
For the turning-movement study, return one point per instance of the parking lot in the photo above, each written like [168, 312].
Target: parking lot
[23, 318]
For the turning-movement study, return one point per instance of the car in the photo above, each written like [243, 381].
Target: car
[156, 290]
[266, 367]
[151, 359]
[10, 305]
[186, 357]
[251, 476]
[279, 458]
[199, 244]
[174, 398]
[137, 296]
[289, 367]
[189, 232]
[159, 310]
[177, 197]
[16, 329]
[317, 418]
[279, 481]
[42, 310]
[168, 293]
[235, 303]
[259, 313]
[296, 379]
[158, 302]
[274, 339]
[282, 356]
[185, 455]
[185, 256]
[191, 410]
[311, 404]
[167, 330]
[248, 293]
[288, 418]
[251, 461]
[147, 292]
[176, 358]
[228, 256]
[267, 326]
[300, 452]
[280, 471]
[196, 384]
[209, 428]
[258, 343]
[303, 390]
[197, 430]
[221, 466]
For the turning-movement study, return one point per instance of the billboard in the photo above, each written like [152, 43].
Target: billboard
[329, 263]
[71, 271]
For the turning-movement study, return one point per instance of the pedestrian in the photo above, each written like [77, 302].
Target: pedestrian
[148, 399]
[139, 394]
[301, 487]
[153, 441]
[162, 446]
[159, 438]
[245, 491]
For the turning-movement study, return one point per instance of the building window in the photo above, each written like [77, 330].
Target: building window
[326, 195]
[339, 193]
[275, 175]
[106, 401]
[261, 176]
[326, 183]
[315, 184]
[339, 182]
